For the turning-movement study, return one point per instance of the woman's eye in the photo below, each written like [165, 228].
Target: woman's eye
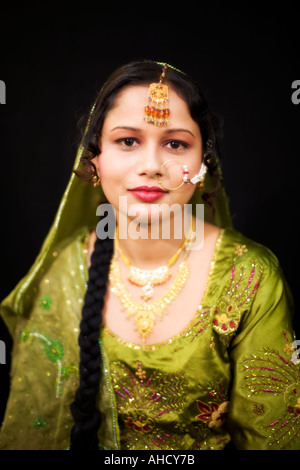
[176, 144]
[127, 141]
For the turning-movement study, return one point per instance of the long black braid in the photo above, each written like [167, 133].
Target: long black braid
[84, 409]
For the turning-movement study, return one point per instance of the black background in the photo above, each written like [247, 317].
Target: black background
[53, 61]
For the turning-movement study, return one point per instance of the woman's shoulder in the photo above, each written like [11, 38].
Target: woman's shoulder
[240, 248]
[245, 272]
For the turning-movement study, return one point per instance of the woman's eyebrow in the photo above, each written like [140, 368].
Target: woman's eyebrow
[129, 128]
[167, 131]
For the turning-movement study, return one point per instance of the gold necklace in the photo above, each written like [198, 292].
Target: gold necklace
[145, 313]
[148, 278]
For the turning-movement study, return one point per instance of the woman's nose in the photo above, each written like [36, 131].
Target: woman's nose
[150, 163]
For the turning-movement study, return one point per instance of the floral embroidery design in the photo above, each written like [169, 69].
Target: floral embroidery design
[55, 352]
[288, 348]
[39, 423]
[273, 374]
[204, 319]
[212, 414]
[45, 302]
[208, 425]
[240, 291]
[258, 409]
[142, 398]
[240, 249]
[227, 316]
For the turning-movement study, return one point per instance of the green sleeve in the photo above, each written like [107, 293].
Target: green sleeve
[265, 395]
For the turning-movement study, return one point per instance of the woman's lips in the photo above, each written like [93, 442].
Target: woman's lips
[148, 193]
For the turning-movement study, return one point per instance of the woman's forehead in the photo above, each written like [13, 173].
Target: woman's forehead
[129, 110]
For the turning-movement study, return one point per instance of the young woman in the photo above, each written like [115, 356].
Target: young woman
[185, 335]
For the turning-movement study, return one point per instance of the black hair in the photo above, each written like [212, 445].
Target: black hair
[84, 409]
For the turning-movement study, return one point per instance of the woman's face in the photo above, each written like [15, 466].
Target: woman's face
[137, 154]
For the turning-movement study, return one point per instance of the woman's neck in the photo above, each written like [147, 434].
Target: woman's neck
[148, 248]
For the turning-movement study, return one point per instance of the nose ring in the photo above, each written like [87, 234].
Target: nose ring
[185, 178]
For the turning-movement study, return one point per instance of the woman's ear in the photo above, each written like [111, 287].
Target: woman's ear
[96, 178]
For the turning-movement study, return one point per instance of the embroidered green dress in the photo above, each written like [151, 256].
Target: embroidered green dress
[231, 374]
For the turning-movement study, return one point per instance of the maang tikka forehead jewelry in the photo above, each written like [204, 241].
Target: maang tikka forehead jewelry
[157, 107]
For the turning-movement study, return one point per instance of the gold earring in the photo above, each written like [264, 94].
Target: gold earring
[96, 180]
[200, 185]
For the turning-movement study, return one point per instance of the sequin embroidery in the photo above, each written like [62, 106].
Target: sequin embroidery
[274, 374]
[243, 284]
[214, 411]
[54, 351]
[209, 424]
[39, 423]
[142, 398]
[45, 302]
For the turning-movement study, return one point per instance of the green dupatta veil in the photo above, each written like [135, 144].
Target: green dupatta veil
[245, 325]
